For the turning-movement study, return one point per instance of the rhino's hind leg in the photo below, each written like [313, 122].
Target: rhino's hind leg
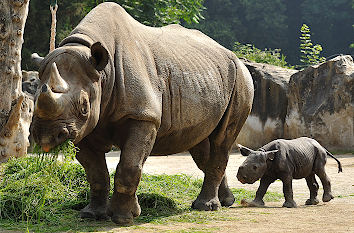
[97, 174]
[200, 154]
[313, 186]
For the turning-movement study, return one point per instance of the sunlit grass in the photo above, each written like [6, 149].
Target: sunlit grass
[44, 194]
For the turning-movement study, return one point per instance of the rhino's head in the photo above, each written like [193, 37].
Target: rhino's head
[255, 164]
[68, 99]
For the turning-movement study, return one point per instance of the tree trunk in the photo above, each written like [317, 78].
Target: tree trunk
[15, 106]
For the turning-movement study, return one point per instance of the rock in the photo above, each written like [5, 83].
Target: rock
[321, 104]
[265, 123]
[30, 82]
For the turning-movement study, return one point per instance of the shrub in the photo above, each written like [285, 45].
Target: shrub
[310, 53]
[268, 56]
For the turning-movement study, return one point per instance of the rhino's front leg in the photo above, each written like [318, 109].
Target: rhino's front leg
[288, 192]
[95, 166]
[124, 204]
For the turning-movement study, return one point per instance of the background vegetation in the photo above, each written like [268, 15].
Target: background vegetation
[271, 24]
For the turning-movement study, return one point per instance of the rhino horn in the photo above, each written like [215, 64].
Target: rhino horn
[56, 82]
[49, 104]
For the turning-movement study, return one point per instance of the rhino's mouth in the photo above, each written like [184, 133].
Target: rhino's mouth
[246, 181]
[49, 135]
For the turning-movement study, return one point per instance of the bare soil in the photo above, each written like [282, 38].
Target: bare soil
[334, 216]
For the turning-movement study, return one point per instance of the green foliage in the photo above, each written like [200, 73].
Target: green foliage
[331, 24]
[228, 21]
[40, 189]
[44, 194]
[275, 24]
[310, 53]
[163, 12]
[67, 149]
[268, 56]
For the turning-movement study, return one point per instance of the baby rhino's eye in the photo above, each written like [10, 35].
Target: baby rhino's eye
[254, 167]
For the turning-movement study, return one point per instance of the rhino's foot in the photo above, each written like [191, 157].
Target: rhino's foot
[93, 213]
[310, 201]
[213, 204]
[290, 204]
[226, 198]
[124, 209]
[254, 203]
[327, 197]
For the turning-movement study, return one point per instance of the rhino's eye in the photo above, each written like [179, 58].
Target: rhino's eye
[83, 104]
[84, 107]
[254, 167]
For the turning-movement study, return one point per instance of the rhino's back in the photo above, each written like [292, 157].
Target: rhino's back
[298, 154]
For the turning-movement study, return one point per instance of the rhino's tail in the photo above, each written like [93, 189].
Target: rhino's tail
[339, 164]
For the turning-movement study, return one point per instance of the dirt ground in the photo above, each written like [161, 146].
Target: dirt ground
[335, 216]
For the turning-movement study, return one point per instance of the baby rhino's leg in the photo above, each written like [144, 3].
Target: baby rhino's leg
[313, 186]
[319, 169]
[261, 191]
[288, 191]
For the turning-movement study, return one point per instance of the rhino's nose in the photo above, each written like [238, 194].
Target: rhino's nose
[61, 136]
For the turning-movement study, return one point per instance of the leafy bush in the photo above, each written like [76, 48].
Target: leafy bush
[268, 56]
[310, 53]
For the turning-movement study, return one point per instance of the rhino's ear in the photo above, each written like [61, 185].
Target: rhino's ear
[244, 150]
[36, 59]
[99, 57]
[270, 154]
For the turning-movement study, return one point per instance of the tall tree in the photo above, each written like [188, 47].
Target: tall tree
[15, 107]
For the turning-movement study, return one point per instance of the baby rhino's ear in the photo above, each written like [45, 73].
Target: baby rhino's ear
[244, 150]
[270, 154]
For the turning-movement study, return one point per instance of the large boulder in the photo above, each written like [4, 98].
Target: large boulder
[321, 104]
[266, 121]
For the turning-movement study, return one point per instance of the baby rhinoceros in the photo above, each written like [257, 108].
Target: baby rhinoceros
[286, 160]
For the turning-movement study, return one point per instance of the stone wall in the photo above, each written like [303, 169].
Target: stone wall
[321, 104]
[266, 121]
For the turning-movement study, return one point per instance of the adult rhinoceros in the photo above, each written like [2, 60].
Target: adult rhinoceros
[114, 81]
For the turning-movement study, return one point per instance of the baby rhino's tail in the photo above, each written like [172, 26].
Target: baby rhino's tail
[339, 164]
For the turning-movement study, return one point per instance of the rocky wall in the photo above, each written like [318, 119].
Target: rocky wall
[266, 121]
[321, 104]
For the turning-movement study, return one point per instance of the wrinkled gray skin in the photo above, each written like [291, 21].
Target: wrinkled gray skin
[287, 160]
[114, 81]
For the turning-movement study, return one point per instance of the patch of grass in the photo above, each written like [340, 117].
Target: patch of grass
[44, 194]
[165, 195]
[250, 195]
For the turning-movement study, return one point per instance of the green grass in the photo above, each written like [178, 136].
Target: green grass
[44, 194]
